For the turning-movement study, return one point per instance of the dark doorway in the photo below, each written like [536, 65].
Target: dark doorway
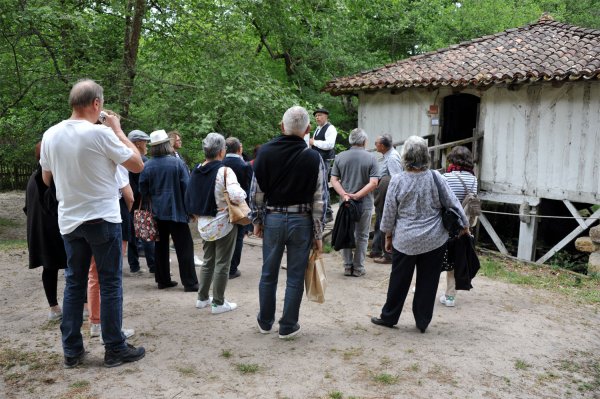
[460, 117]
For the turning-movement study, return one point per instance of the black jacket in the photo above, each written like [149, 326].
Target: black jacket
[342, 235]
[242, 170]
[45, 244]
[461, 252]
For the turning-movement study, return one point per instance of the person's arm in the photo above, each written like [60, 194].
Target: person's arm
[370, 186]
[135, 163]
[257, 206]
[127, 193]
[47, 177]
[329, 142]
[237, 195]
[319, 206]
[337, 186]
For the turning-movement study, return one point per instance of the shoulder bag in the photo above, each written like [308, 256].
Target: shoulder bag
[144, 224]
[238, 214]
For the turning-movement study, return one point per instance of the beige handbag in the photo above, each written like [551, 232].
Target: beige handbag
[238, 214]
[315, 278]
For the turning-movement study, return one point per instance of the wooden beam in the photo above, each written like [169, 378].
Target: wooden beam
[528, 236]
[578, 230]
[490, 230]
[575, 213]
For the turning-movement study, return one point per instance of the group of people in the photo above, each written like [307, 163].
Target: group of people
[77, 187]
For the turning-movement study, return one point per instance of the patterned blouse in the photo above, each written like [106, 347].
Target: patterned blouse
[412, 212]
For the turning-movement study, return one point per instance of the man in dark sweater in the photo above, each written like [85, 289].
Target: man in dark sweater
[288, 198]
[243, 172]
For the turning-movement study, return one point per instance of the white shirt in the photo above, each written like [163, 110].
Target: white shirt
[122, 177]
[83, 159]
[329, 141]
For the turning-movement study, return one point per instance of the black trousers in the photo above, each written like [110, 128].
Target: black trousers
[184, 248]
[50, 281]
[237, 252]
[429, 266]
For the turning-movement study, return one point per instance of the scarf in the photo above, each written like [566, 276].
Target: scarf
[452, 168]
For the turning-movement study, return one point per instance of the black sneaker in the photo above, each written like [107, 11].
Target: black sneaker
[74, 361]
[295, 331]
[114, 358]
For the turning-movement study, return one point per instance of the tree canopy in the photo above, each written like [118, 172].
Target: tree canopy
[230, 66]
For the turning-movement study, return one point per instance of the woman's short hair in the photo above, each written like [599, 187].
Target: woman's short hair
[212, 145]
[461, 156]
[162, 149]
[358, 137]
[415, 154]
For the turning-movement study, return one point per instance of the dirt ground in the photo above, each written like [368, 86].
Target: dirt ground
[500, 341]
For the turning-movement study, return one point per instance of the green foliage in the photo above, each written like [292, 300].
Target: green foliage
[227, 66]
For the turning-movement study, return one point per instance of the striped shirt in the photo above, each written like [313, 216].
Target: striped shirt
[457, 187]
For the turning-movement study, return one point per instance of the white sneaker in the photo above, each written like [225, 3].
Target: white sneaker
[202, 304]
[225, 307]
[198, 262]
[95, 330]
[54, 314]
[447, 300]
[127, 332]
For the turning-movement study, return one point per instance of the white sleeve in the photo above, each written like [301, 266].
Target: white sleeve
[122, 176]
[329, 142]
[114, 149]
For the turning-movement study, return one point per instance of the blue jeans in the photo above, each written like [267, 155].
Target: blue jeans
[133, 256]
[293, 232]
[103, 241]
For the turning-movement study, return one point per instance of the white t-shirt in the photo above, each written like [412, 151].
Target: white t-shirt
[83, 159]
[122, 177]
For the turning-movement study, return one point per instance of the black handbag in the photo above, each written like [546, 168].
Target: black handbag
[450, 217]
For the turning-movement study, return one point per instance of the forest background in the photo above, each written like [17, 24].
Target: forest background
[229, 66]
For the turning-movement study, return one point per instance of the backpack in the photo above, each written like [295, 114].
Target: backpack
[471, 204]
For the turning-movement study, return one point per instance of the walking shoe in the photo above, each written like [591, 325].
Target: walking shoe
[138, 272]
[380, 322]
[198, 262]
[447, 300]
[347, 271]
[225, 307]
[114, 358]
[55, 313]
[202, 304]
[383, 260]
[170, 284]
[294, 332]
[235, 274]
[191, 288]
[95, 330]
[359, 272]
[261, 329]
[74, 361]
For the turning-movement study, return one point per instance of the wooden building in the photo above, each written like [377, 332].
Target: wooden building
[528, 101]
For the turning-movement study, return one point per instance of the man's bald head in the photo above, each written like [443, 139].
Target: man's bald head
[84, 93]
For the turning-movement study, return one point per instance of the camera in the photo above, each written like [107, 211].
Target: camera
[102, 116]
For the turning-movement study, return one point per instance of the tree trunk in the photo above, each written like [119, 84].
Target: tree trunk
[134, 14]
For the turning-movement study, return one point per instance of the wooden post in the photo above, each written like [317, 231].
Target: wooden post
[527, 234]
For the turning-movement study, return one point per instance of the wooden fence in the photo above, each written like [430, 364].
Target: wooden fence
[15, 176]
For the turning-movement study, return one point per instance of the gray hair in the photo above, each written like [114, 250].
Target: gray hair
[415, 154]
[212, 145]
[233, 145]
[84, 92]
[162, 149]
[385, 140]
[295, 121]
[358, 137]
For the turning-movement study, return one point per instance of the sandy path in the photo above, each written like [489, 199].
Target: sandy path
[501, 341]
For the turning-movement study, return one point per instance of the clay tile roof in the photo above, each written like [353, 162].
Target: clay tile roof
[546, 50]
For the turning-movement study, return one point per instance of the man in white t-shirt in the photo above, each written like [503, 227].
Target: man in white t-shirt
[82, 159]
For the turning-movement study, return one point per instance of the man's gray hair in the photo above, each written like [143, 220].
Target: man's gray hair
[415, 154]
[233, 145]
[358, 137]
[295, 121]
[212, 145]
[84, 92]
[385, 140]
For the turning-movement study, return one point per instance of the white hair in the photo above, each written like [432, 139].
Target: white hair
[415, 153]
[295, 121]
[358, 137]
[212, 145]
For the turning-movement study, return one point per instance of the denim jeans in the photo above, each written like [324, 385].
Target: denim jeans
[355, 258]
[293, 232]
[103, 241]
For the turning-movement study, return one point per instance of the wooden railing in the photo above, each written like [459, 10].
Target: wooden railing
[15, 176]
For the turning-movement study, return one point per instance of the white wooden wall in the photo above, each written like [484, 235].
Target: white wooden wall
[542, 141]
[539, 141]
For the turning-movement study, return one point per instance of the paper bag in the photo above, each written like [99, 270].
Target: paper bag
[315, 279]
